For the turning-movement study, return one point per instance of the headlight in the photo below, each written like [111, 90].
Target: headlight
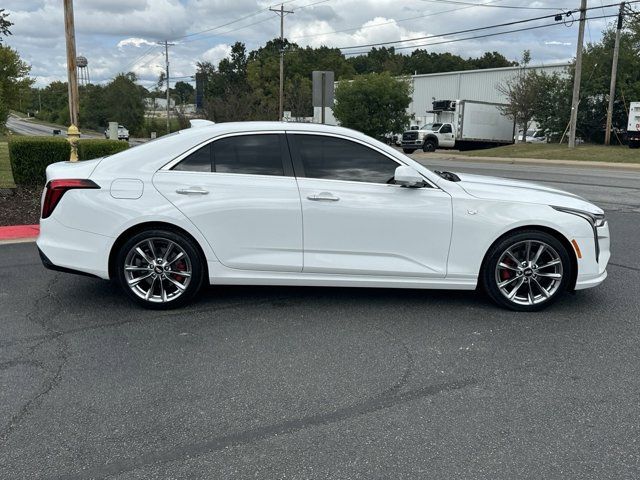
[595, 219]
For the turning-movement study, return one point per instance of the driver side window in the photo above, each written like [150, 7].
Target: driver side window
[334, 158]
[446, 128]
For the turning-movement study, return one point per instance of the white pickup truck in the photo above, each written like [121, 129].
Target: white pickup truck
[123, 133]
[461, 124]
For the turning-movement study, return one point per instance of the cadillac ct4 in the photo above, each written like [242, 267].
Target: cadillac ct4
[274, 203]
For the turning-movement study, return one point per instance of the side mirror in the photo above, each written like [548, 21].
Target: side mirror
[408, 177]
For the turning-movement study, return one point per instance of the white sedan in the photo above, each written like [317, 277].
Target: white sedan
[270, 203]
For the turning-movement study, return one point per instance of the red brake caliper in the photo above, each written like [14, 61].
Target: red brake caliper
[504, 273]
[179, 266]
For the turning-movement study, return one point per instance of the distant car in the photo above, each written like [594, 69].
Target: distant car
[274, 203]
[532, 136]
[123, 133]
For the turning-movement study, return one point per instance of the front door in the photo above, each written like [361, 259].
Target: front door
[357, 221]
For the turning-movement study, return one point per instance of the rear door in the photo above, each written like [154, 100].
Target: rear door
[356, 221]
[240, 192]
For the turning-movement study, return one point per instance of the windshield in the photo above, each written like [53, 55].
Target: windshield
[434, 127]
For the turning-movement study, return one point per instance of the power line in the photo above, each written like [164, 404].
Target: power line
[454, 40]
[515, 7]
[252, 14]
[363, 27]
[470, 30]
[233, 30]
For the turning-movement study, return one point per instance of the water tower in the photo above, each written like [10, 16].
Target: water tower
[83, 70]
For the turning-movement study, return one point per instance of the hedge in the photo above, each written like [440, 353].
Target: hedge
[96, 148]
[30, 156]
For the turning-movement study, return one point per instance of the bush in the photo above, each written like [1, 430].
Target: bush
[96, 148]
[30, 157]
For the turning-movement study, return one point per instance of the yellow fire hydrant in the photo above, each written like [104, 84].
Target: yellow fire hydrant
[73, 135]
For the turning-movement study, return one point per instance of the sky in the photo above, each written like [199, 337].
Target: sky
[122, 35]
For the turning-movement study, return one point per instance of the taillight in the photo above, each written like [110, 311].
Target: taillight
[56, 189]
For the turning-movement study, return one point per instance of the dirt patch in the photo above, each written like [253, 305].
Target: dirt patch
[20, 206]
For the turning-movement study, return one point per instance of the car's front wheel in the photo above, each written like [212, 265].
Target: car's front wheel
[160, 269]
[429, 146]
[526, 271]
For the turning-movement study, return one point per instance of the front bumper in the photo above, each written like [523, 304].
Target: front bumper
[592, 267]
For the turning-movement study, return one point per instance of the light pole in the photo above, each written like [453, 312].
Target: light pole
[73, 134]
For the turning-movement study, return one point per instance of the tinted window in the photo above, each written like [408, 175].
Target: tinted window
[445, 129]
[198, 161]
[249, 154]
[338, 159]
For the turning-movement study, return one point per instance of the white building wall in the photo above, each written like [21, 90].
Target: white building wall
[481, 85]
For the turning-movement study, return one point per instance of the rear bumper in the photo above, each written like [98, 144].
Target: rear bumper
[48, 264]
[71, 250]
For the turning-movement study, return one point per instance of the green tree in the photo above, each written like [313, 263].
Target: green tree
[124, 102]
[521, 93]
[4, 24]
[13, 80]
[184, 92]
[552, 106]
[374, 104]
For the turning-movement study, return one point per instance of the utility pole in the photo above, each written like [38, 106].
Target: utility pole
[614, 73]
[72, 75]
[577, 75]
[166, 57]
[281, 12]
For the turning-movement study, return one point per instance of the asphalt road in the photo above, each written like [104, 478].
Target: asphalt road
[28, 127]
[325, 383]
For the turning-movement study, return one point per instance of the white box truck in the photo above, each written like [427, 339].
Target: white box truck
[633, 128]
[461, 124]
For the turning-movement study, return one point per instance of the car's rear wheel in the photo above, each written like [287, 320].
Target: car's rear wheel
[526, 271]
[408, 150]
[160, 269]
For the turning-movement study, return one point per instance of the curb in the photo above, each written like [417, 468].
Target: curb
[18, 233]
[536, 161]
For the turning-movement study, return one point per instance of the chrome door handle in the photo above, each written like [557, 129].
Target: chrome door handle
[323, 197]
[192, 191]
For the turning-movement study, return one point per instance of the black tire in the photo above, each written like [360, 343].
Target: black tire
[191, 258]
[408, 150]
[535, 280]
[429, 146]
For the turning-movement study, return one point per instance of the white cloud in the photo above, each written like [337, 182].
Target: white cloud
[133, 42]
[217, 53]
[120, 35]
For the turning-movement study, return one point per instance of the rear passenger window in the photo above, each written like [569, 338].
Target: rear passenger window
[198, 161]
[249, 154]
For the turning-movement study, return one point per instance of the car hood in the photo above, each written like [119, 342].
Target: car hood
[494, 188]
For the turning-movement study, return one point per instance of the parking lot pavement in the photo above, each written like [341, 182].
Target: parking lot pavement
[323, 383]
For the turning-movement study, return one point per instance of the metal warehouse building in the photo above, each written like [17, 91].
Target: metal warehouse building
[481, 85]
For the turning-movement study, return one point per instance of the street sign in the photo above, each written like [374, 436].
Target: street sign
[323, 88]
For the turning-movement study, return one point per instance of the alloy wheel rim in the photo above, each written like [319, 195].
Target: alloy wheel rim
[157, 270]
[529, 272]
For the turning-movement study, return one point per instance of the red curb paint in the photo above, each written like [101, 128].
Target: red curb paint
[15, 232]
